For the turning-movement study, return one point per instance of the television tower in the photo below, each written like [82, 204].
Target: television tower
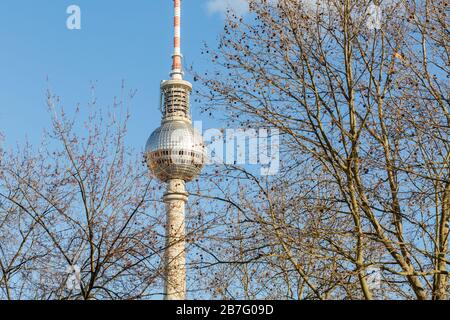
[175, 155]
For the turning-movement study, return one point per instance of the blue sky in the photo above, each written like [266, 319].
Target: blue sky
[119, 40]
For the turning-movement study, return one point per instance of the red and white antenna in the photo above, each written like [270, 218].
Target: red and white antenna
[177, 69]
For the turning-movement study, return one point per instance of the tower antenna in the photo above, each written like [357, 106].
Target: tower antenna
[177, 69]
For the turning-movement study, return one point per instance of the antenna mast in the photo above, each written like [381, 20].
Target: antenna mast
[177, 69]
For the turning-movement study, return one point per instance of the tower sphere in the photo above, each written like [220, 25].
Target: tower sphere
[175, 151]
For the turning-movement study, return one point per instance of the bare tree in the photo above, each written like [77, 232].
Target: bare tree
[363, 114]
[78, 215]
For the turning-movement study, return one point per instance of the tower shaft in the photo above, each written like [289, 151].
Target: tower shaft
[175, 256]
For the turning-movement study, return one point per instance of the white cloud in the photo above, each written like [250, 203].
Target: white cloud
[240, 7]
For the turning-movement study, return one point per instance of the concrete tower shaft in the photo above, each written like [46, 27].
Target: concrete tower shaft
[175, 254]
